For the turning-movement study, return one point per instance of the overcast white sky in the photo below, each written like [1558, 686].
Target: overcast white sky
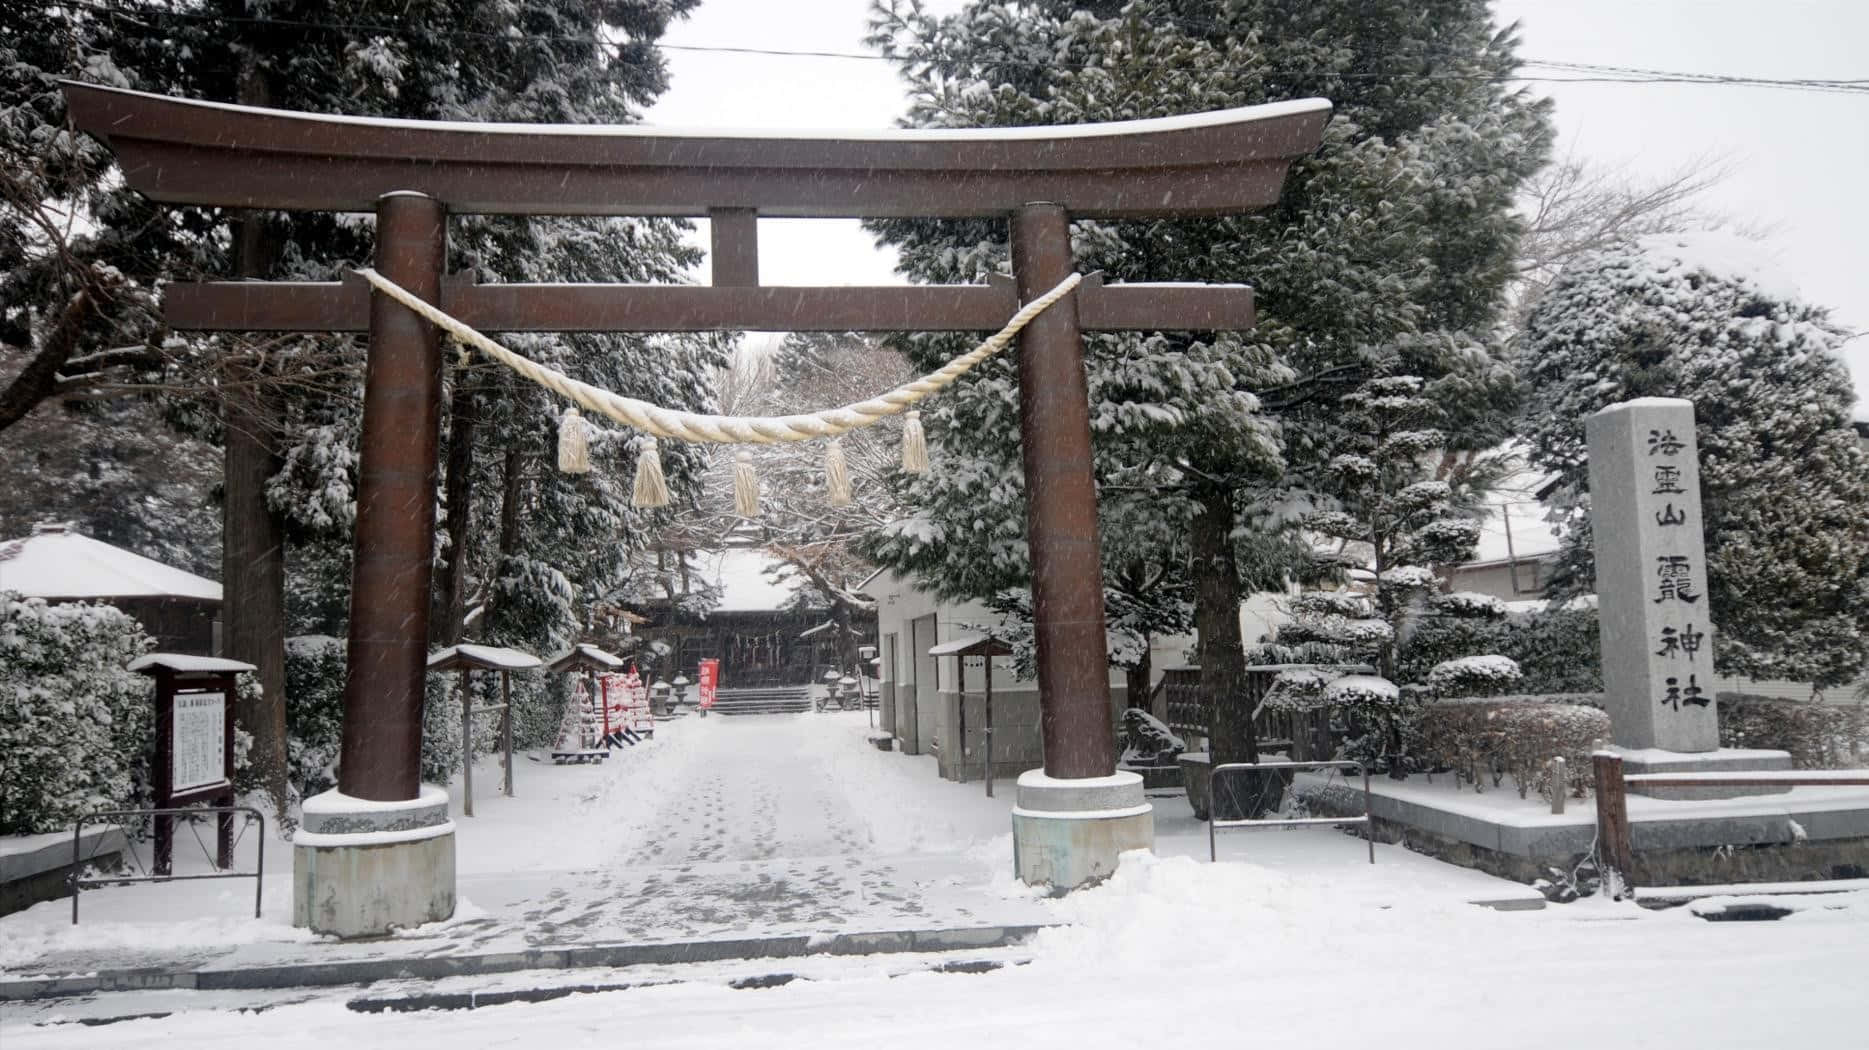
[1799, 159]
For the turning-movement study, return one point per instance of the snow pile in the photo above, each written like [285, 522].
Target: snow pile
[1184, 916]
[131, 922]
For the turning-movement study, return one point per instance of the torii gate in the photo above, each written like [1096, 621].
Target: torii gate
[412, 174]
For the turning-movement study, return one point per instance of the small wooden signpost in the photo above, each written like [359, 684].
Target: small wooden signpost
[467, 658]
[986, 648]
[194, 743]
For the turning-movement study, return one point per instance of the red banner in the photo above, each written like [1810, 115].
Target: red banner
[709, 674]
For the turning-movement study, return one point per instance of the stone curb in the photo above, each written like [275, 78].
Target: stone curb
[364, 971]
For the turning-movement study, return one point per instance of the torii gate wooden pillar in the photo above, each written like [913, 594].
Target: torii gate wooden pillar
[413, 173]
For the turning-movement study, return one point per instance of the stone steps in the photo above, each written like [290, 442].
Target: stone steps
[764, 701]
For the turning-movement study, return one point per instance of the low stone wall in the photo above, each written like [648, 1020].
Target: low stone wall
[35, 868]
[1792, 846]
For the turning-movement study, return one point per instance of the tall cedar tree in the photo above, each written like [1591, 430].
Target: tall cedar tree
[287, 411]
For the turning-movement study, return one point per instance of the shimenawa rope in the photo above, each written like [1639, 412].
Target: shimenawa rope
[659, 422]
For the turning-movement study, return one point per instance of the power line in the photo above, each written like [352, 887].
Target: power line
[1581, 72]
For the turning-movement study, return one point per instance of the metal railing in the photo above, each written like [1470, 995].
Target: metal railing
[1213, 795]
[114, 815]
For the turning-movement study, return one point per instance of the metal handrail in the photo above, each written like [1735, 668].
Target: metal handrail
[1213, 780]
[77, 884]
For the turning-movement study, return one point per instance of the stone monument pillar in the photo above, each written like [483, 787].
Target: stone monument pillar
[1651, 574]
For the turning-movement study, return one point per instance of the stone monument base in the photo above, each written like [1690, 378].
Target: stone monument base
[362, 868]
[1068, 833]
[1725, 760]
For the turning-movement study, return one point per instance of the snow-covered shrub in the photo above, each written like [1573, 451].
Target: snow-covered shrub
[1488, 675]
[538, 707]
[1363, 691]
[1299, 689]
[1558, 651]
[1490, 739]
[1468, 605]
[1818, 735]
[314, 711]
[1377, 720]
[441, 729]
[1263, 653]
[74, 724]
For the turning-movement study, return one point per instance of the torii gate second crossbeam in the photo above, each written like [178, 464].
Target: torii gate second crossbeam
[413, 174]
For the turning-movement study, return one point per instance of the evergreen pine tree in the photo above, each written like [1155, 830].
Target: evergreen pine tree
[1399, 227]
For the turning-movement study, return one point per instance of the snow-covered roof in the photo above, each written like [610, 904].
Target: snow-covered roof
[57, 563]
[492, 657]
[582, 653]
[1041, 133]
[971, 645]
[740, 573]
[187, 663]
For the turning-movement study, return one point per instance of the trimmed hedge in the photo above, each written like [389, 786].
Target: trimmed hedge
[1818, 735]
[1514, 736]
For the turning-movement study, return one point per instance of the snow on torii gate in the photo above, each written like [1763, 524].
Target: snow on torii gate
[412, 174]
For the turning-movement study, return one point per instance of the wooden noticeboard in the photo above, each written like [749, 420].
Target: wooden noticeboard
[194, 759]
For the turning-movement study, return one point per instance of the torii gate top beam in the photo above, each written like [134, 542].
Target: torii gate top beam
[182, 151]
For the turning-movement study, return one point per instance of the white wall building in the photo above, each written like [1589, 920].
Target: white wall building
[922, 706]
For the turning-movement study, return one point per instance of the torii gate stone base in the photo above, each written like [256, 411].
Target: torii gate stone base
[377, 853]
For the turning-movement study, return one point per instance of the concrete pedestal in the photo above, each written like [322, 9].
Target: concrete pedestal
[1724, 760]
[363, 868]
[1069, 833]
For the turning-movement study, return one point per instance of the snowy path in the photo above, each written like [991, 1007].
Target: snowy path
[751, 825]
[718, 828]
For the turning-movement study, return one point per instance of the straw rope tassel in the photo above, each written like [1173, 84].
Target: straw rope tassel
[651, 487]
[836, 474]
[914, 445]
[574, 443]
[745, 486]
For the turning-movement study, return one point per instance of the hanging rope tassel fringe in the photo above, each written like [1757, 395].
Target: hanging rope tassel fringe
[914, 445]
[745, 487]
[651, 487]
[574, 443]
[836, 475]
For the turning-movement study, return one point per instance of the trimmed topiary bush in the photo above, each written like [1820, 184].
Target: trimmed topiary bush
[1474, 676]
[1492, 738]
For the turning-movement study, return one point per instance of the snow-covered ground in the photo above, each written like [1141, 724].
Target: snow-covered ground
[736, 827]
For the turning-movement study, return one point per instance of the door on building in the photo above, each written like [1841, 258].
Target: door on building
[886, 691]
